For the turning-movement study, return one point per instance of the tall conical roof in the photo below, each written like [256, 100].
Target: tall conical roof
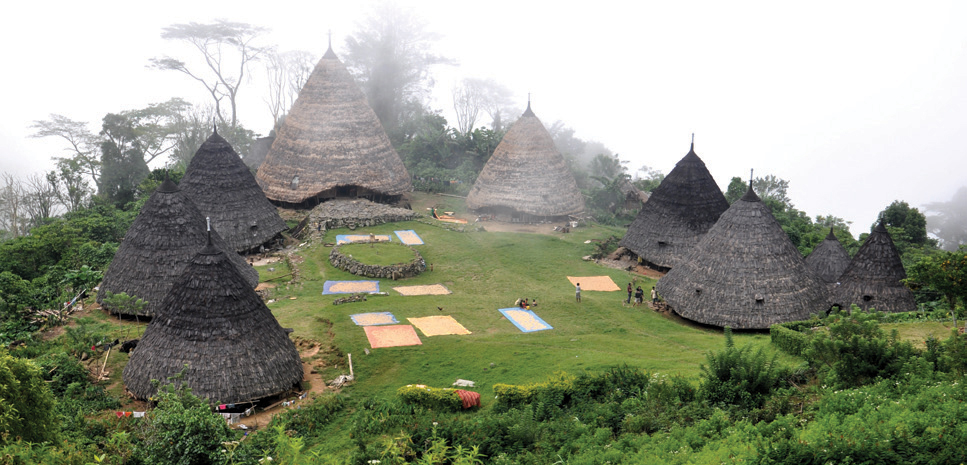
[872, 279]
[527, 174]
[167, 232]
[679, 212]
[215, 323]
[829, 259]
[331, 138]
[744, 273]
[223, 188]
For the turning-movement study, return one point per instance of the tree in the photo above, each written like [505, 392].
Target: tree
[287, 73]
[390, 56]
[72, 188]
[40, 196]
[945, 272]
[651, 180]
[27, 410]
[183, 430]
[227, 49]
[908, 229]
[479, 95]
[12, 212]
[735, 191]
[84, 144]
[948, 220]
[607, 166]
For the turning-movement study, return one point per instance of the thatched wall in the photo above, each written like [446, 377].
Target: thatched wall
[223, 188]
[331, 138]
[527, 174]
[679, 212]
[215, 323]
[829, 259]
[161, 241]
[744, 273]
[873, 277]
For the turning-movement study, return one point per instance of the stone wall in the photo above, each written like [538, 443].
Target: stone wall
[400, 271]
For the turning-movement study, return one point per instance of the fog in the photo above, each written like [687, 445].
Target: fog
[856, 104]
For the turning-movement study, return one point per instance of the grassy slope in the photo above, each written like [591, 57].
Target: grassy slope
[486, 271]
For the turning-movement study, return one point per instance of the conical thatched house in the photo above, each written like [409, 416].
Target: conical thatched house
[872, 279]
[332, 145]
[166, 234]
[223, 188]
[214, 322]
[679, 212]
[526, 176]
[745, 273]
[828, 260]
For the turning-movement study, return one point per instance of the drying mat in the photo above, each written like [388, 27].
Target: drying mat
[373, 319]
[594, 283]
[350, 287]
[429, 289]
[450, 219]
[409, 237]
[438, 325]
[525, 320]
[392, 336]
[348, 238]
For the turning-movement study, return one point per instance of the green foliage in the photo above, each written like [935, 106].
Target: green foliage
[945, 272]
[789, 341]
[26, 403]
[443, 399]
[855, 350]
[606, 247]
[182, 429]
[122, 303]
[739, 376]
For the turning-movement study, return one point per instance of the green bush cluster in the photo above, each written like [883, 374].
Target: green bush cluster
[788, 340]
[443, 399]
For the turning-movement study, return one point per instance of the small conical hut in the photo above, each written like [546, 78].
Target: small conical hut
[161, 241]
[744, 273]
[332, 145]
[828, 260]
[679, 212]
[223, 188]
[526, 176]
[214, 323]
[873, 278]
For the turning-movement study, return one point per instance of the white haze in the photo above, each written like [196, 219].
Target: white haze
[857, 104]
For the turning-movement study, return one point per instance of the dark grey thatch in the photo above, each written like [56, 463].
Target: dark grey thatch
[223, 188]
[745, 273]
[679, 212]
[829, 259]
[872, 279]
[215, 323]
[331, 144]
[526, 174]
[167, 232]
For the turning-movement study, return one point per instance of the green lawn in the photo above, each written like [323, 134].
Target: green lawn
[382, 254]
[487, 271]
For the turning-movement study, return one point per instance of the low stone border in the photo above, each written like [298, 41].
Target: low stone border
[400, 271]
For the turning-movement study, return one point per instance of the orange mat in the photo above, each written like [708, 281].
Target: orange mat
[438, 325]
[430, 289]
[392, 336]
[594, 283]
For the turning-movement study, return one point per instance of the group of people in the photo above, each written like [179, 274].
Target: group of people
[525, 304]
[639, 295]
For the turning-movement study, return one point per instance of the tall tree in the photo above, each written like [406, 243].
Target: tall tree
[650, 180]
[948, 220]
[474, 96]
[40, 196]
[287, 73]
[390, 55]
[226, 48]
[84, 145]
[12, 213]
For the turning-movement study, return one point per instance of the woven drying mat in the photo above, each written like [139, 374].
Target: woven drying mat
[392, 336]
[373, 319]
[429, 289]
[349, 287]
[525, 320]
[409, 237]
[438, 325]
[348, 238]
[594, 283]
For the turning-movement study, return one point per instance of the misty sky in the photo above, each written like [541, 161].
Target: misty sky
[857, 104]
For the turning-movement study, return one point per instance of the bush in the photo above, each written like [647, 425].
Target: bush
[445, 399]
[789, 341]
[183, 430]
[26, 403]
[736, 376]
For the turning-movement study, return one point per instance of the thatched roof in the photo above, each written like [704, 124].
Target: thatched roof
[223, 188]
[167, 232]
[214, 322]
[745, 273]
[872, 279]
[829, 259]
[331, 138]
[679, 212]
[527, 174]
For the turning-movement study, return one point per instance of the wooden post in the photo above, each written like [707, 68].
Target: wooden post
[351, 365]
[99, 375]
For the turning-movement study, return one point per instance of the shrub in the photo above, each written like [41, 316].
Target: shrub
[444, 399]
[26, 403]
[736, 376]
[183, 430]
[789, 341]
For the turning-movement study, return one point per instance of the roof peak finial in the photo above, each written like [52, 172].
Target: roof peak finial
[214, 125]
[208, 223]
[751, 176]
[693, 142]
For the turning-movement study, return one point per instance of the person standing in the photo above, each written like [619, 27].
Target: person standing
[629, 293]
[639, 296]
[577, 292]
[654, 296]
